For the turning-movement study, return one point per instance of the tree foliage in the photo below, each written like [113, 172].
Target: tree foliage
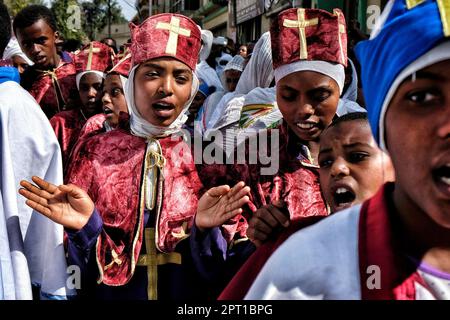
[93, 17]
[98, 14]
[14, 6]
[69, 17]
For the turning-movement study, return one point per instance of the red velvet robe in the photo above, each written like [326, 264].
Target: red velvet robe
[296, 182]
[67, 126]
[109, 167]
[53, 95]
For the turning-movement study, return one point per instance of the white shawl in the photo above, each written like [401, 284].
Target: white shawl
[31, 245]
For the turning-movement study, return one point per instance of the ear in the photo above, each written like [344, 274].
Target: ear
[57, 35]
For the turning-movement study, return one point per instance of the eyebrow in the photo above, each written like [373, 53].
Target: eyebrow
[347, 146]
[421, 74]
[159, 68]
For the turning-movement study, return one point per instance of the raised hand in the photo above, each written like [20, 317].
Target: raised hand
[267, 221]
[220, 204]
[65, 204]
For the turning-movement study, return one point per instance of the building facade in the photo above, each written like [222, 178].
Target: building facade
[246, 20]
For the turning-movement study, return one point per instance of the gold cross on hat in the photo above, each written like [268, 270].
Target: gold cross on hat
[174, 31]
[91, 51]
[301, 23]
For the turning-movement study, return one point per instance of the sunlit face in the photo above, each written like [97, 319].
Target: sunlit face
[38, 43]
[418, 139]
[352, 167]
[90, 89]
[113, 99]
[232, 79]
[308, 101]
[162, 87]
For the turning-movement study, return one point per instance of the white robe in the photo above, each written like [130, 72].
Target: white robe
[31, 245]
[318, 262]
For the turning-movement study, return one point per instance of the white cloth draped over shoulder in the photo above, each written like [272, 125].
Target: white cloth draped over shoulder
[318, 262]
[257, 73]
[31, 245]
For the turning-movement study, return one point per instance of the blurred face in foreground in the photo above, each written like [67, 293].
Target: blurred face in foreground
[418, 139]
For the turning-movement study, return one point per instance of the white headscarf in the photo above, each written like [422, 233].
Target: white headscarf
[222, 62]
[13, 49]
[236, 63]
[81, 74]
[257, 73]
[352, 91]
[439, 53]
[207, 38]
[208, 75]
[141, 127]
[259, 70]
[334, 71]
[31, 245]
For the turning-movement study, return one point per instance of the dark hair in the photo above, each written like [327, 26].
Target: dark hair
[113, 46]
[349, 117]
[5, 27]
[32, 14]
[72, 45]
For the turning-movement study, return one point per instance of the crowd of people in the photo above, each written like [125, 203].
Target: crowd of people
[310, 164]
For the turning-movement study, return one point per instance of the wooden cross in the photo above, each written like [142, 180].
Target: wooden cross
[342, 30]
[91, 52]
[301, 23]
[174, 31]
[152, 259]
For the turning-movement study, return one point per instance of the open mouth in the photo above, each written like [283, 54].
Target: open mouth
[343, 198]
[163, 110]
[442, 174]
[308, 127]
[107, 111]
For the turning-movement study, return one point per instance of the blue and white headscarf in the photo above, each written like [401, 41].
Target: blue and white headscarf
[410, 36]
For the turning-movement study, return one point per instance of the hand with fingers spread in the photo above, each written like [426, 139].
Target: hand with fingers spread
[220, 204]
[267, 222]
[65, 204]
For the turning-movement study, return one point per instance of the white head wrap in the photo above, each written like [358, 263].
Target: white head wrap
[439, 53]
[222, 62]
[334, 71]
[237, 63]
[257, 73]
[141, 127]
[208, 75]
[259, 70]
[207, 38]
[13, 49]
[352, 91]
[81, 74]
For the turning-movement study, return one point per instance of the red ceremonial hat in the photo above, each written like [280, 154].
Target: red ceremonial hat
[166, 35]
[122, 64]
[94, 56]
[309, 34]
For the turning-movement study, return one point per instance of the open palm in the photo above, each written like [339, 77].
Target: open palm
[220, 204]
[67, 205]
